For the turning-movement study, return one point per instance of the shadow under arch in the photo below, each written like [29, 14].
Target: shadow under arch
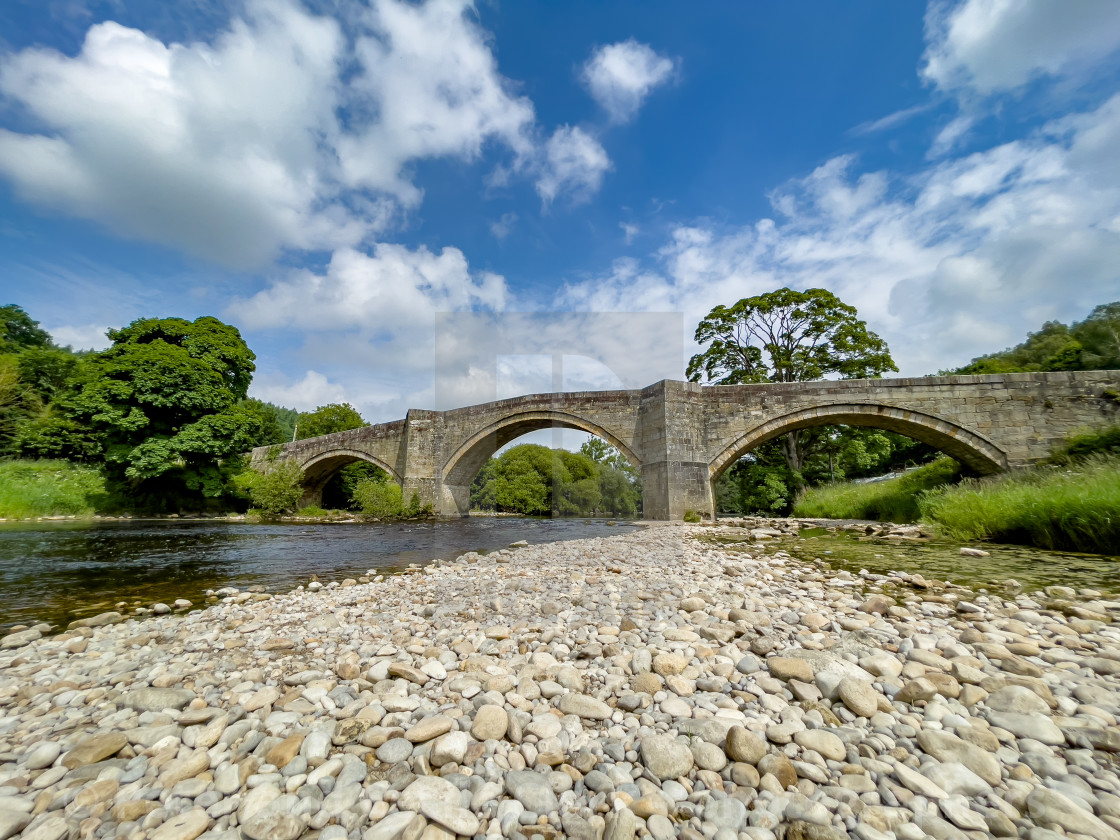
[319, 469]
[972, 450]
[464, 464]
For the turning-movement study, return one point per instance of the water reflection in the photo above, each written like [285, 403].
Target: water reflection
[57, 572]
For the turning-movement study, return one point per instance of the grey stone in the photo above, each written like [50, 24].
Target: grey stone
[157, 699]
[665, 756]
[532, 790]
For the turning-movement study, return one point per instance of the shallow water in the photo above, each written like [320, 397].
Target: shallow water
[941, 559]
[60, 571]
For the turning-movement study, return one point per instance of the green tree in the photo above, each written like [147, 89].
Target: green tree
[328, 419]
[620, 486]
[165, 402]
[787, 336]
[46, 370]
[19, 331]
[18, 404]
[1099, 336]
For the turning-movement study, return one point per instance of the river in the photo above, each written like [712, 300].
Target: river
[58, 571]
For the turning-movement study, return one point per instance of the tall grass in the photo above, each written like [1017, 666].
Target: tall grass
[49, 488]
[1074, 508]
[891, 500]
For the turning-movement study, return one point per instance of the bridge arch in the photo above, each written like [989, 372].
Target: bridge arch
[321, 467]
[968, 447]
[463, 465]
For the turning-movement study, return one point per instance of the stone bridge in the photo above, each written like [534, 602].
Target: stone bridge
[682, 436]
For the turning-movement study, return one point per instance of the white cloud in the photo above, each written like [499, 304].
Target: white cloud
[574, 162]
[81, 336]
[950, 135]
[392, 291]
[307, 394]
[620, 76]
[958, 260]
[235, 150]
[428, 74]
[212, 149]
[993, 45]
[629, 231]
[503, 227]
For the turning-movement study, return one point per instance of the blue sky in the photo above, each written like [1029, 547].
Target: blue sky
[332, 176]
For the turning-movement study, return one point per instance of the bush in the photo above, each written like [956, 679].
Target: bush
[275, 489]
[691, 516]
[1105, 442]
[1075, 508]
[383, 500]
[50, 488]
[891, 500]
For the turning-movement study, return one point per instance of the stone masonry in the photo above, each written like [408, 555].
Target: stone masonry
[682, 436]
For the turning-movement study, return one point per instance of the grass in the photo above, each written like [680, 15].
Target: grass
[50, 488]
[1075, 508]
[891, 500]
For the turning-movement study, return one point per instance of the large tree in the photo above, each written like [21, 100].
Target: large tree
[165, 401]
[788, 336]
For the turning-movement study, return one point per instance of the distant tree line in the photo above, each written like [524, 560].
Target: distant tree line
[1092, 344]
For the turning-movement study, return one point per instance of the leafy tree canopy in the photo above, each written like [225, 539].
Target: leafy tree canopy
[166, 402]
[787, 336]
[328, 419]
[1092, 344]
[19, 331]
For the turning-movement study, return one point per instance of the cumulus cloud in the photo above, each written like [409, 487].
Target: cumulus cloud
[287, 131]
[305, 394]
[958, 260]
[620, 76]
[574, 163]
[392, 290]
[997, 45]
[214, 149]
[429, 75]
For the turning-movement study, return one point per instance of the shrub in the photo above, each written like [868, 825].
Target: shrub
[691, 516]
[380, 499]
[1105, 441]
[275, 489]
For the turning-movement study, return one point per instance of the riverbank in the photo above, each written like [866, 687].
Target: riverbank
[646, 682]
[1074, 506]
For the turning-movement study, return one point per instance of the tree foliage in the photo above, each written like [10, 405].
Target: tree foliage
[328, 419]
[788, 336]
[19, 331]
[536, 480]
[166, 404]
[275, 489]
[1092, 344]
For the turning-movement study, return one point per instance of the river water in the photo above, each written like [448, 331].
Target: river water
[59, 571]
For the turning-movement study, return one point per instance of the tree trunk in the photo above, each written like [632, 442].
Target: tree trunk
[791, 449]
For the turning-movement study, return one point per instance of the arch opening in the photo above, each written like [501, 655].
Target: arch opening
[757, 483]
[571, 485]
[329, 478]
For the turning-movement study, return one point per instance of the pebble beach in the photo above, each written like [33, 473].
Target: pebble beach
[656, 684]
